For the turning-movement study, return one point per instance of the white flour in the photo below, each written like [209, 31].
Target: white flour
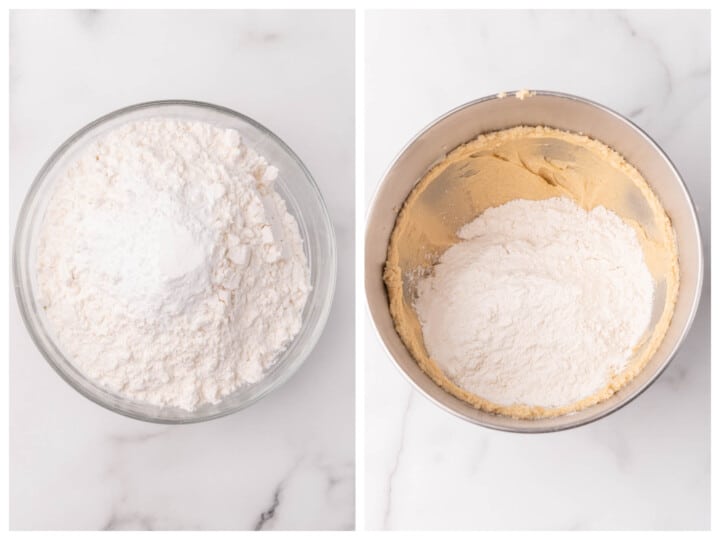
[539, 304]
[168, 266]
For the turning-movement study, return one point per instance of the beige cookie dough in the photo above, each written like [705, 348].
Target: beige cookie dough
[525, 163]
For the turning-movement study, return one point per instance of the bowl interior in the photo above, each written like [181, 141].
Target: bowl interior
[294, 184]
[491, 114]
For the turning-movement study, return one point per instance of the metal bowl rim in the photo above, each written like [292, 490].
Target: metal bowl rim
[697, 293]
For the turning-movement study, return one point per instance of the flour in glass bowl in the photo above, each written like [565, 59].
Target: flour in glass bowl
[169, 268]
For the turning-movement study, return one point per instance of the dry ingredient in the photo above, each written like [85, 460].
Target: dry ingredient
[168, 266]
[540, 303]
[530, 163]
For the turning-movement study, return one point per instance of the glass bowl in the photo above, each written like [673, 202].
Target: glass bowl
[294, 184]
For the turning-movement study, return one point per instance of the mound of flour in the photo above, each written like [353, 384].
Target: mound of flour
[168, 267]
[539, 304]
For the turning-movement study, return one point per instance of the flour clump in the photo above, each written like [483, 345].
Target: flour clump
[168, 266]
[539, 304]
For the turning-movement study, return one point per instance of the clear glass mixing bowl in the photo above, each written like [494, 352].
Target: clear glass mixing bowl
[294, 184]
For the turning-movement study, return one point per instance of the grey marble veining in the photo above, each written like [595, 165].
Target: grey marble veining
[647, 465]
[287, 462]
[396, 463]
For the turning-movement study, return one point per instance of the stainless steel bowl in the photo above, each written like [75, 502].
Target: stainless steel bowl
[564, 112]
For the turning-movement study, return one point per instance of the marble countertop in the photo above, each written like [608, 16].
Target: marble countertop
[286, 462]
[646, 466]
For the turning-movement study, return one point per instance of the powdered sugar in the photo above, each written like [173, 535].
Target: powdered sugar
[168, 266]
[539, 304]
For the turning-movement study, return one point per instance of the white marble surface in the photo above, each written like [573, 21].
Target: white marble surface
[286, 462]
[644, 467]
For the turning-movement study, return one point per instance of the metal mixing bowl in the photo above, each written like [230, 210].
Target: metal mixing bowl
[564, 112]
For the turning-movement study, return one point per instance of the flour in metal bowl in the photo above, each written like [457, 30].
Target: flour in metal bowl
[541, 303]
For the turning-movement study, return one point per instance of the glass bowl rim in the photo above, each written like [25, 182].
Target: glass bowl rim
[21, 293]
